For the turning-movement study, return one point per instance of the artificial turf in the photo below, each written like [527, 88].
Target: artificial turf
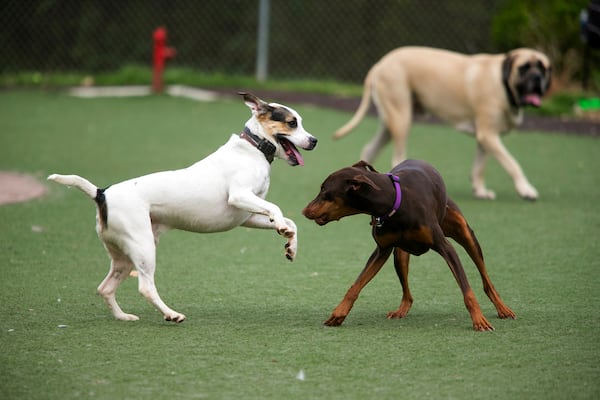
[255, 319]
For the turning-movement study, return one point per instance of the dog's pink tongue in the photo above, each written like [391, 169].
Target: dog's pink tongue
[292, 150]
[533, 99]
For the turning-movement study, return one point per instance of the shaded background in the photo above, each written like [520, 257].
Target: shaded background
[336, 39]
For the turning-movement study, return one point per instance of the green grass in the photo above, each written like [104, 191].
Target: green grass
[142, 75]
[561, 103]
[254, 319]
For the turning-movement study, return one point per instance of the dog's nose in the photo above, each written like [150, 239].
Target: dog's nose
[312, 143]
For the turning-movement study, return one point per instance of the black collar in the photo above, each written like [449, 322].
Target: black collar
[262, 144]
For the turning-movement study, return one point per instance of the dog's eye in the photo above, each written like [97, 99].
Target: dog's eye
[325, 195]
[293, 124]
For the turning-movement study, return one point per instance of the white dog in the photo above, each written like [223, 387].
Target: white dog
[225, 190]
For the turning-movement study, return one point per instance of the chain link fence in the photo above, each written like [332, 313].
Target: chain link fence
[334, 39]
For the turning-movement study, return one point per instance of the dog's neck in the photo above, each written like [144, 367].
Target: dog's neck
[379, 221]
[262, 144]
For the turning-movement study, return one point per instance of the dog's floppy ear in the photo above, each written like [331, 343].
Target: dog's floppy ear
[365, 165]
[361, 181]
[548, 78]
[507, 65]
[257, 105]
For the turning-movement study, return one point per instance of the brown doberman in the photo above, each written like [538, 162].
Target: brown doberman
[411, 214]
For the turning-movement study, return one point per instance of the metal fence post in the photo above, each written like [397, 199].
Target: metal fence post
[262, 50]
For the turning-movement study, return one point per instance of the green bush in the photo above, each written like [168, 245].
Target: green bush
[551, 26]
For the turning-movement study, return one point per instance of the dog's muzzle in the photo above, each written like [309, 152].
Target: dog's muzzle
[531, 90]
[312, 143]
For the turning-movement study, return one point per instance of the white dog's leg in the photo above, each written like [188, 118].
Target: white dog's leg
[494, 145]
[291, 233]
[246, 200]
[143, 256]
[120, 268]
[477, 180]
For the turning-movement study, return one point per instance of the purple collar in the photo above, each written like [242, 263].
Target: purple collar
[380, 220]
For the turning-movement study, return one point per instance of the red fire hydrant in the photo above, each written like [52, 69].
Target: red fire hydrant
[160, 55]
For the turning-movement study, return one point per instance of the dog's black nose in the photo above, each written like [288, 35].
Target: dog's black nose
[312, 143]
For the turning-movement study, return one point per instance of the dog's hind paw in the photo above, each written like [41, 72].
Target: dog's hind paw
[396, 314]
[127, 317]
[526, 191]
[484, 194]
[178, 318]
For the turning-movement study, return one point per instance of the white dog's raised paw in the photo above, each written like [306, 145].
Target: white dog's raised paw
[291, 248]
[286, 232]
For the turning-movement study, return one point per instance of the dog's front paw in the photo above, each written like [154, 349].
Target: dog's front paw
[291, 247]
[286, 232]
[335, 320]
[289, 231]
[505, 312]
[482, 325]
[286, 228]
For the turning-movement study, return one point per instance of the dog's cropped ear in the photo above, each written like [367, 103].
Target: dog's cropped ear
[365, 165]
[257, 105]
[361, 182]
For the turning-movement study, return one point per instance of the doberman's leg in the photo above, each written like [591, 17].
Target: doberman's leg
[373, 266]
[455, 226]
[401, 259]
[445, 249]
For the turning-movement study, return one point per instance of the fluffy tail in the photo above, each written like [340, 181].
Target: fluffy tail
[80, 183]
[363, 107]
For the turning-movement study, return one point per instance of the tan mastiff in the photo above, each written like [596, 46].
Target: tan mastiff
[482, 94]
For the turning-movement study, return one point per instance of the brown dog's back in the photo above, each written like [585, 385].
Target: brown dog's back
[423, 189]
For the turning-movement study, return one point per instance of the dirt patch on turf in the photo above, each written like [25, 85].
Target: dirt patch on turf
[17, 188]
